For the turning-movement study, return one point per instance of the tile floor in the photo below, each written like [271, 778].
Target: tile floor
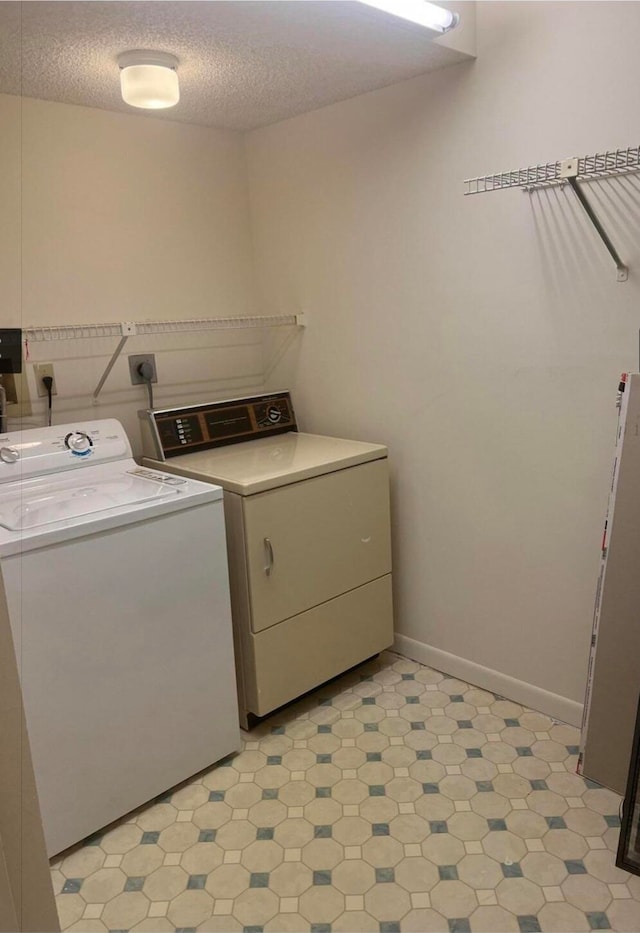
[393, 799]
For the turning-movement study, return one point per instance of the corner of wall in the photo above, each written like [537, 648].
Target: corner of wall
[551, 704]
[463, 37]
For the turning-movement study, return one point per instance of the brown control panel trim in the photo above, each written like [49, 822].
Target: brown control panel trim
[216, 424]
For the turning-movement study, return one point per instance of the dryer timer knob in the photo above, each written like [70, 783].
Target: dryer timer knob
[9, 454]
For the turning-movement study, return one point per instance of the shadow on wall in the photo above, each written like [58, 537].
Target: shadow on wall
[579, 273]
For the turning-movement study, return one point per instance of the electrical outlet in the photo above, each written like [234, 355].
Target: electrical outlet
[40, 371]
[136, 361]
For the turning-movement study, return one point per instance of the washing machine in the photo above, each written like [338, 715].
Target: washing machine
[308, 538]
[114, 578]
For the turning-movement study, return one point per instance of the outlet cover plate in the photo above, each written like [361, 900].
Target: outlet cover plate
[135, 361]
[40, 370]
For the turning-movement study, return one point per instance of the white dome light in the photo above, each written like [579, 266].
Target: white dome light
[149, 79]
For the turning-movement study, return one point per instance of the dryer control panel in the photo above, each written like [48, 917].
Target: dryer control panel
[170, 432]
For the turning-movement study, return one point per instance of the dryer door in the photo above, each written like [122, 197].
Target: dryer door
[313, 540]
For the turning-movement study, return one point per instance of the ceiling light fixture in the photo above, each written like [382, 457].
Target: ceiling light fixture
[421, 12]
[149, 79]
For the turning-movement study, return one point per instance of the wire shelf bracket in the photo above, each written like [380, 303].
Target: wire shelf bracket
[572, 171]
[126, 329]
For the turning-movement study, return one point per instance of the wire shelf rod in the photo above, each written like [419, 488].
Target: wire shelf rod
[39, 333]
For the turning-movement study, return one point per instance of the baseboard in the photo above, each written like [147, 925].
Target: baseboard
[543, 701]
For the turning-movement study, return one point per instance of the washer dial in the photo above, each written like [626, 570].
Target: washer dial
[78, 442]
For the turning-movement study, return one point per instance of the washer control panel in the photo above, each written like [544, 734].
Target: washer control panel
[61, 447]
[171, 432]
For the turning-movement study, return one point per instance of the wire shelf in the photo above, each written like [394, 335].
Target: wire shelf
[126, 329]
[142, 328]
[521, 178]
[601, 165]
[615, 162]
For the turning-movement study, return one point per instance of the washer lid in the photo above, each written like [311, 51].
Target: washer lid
[45, 501]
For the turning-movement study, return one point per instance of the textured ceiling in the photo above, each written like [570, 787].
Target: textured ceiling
[242, 64]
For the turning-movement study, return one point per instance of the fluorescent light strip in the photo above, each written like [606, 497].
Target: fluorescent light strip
[421, 12]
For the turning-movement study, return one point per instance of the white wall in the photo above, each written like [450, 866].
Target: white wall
[126, 218]
[480, 338]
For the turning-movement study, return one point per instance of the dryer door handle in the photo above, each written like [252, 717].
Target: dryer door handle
[268, 547]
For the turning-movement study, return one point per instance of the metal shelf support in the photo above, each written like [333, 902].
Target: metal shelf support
[116, 353]
[569, 171]
[127, 329]
[609, 164]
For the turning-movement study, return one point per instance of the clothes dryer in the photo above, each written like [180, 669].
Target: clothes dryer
[308, 534]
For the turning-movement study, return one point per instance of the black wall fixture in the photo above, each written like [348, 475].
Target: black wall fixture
[10, 350]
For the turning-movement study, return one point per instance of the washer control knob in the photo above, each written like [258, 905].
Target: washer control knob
[78, 442]
[274, 414]
[9, 454]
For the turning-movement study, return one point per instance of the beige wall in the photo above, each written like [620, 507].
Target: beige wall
[481, 338]
[126, 218]
[10, 232]
[130, 217]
